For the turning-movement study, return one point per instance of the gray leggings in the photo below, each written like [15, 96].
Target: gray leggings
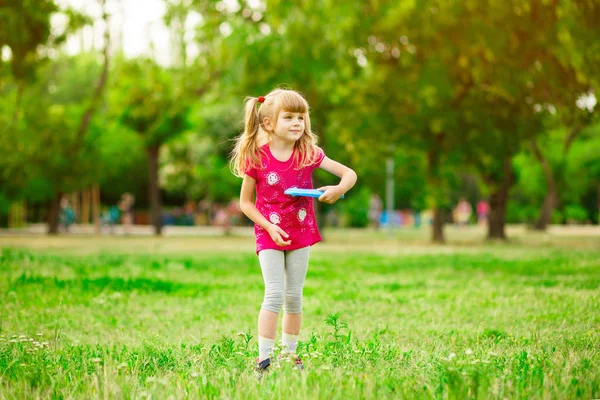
[284, 273]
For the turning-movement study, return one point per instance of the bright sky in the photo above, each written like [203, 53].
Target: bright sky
[135, 24]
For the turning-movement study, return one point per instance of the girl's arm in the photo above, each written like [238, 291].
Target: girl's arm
[247, 206]
[333, 193]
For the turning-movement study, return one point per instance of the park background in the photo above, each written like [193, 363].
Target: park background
[428, 101]
[483, 100]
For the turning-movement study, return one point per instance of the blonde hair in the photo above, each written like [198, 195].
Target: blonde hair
[246, 153]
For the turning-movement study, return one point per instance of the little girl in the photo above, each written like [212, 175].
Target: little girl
[277, 151]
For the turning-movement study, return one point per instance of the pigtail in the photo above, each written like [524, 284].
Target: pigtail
[246, 153]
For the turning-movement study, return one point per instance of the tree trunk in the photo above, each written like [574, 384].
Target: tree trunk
[154, 188]
[550, 202]
[53, 214]
[96, 206]
[498, 200]
[437, 233]
[85, 206]
[497, 215]
[433, 181]
[551, 199]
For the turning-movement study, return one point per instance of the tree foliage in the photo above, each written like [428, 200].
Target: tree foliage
[486, 93]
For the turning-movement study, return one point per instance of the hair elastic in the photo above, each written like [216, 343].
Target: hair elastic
[261, 99]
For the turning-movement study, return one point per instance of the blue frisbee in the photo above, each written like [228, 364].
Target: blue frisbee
[304, 192]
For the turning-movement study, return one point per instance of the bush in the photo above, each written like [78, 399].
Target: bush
[519, 213]
[355, 208]
[557, 217]
[575, 213]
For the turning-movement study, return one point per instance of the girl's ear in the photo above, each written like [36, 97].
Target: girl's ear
[267, 124]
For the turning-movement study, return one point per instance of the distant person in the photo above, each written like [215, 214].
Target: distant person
[417, 218]
[189, 214]
[407, 217]
[66, 216]
[375, 209]
[203, 216]
[462, 212]
[234, 213]
[221, 218]
[127, 213]
[228, 216]
[111, 218]
[483, 209]
[277, 151]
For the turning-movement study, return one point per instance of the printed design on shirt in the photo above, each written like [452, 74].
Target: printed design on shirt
[272, 178]
[301, 214]
[274, 218]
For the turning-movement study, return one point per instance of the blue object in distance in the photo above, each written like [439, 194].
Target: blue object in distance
[305, 192]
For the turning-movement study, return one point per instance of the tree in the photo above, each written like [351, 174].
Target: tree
[472, 73]
[573, 65]
[86, 118]
[552, 155]
[46, 125]
[196, 163]
[151, 101]
[24, 27]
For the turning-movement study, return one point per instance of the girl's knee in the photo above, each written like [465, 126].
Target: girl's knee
[273, 300]
[293, 303]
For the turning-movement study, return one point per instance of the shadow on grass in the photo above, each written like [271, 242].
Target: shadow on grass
[115, 284]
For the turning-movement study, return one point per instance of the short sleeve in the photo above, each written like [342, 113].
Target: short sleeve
[320, 158]
[251, 172]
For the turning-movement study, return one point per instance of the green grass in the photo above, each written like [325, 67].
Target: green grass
[383, 318]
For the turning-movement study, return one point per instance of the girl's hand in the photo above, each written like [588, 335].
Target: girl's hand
[277, 234]
[331, 195]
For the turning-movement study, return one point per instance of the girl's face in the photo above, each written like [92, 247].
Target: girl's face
[289, 126]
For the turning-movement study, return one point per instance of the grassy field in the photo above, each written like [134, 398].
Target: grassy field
[384, 317]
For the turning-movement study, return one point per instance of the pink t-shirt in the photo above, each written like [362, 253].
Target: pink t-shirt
[295, 215]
